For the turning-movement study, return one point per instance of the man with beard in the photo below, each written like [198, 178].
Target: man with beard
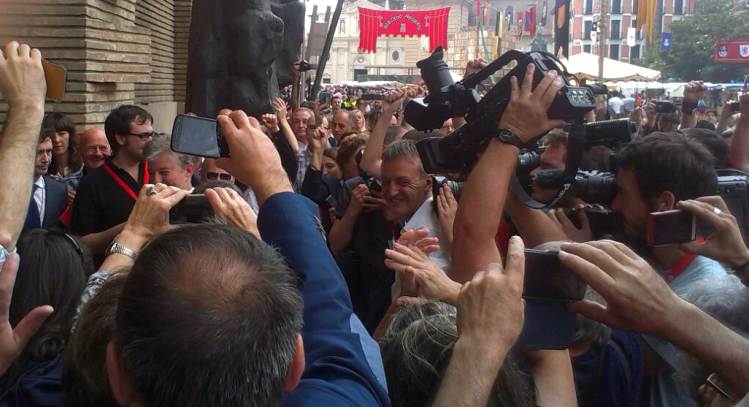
[106, 196]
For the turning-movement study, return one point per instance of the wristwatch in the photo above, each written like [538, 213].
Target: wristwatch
[120, 249]
[508, 137]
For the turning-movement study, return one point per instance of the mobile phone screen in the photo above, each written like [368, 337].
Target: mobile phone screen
[546, 279]
[671, 227]
[197, 136]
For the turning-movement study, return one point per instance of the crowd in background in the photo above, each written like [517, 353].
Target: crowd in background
[329, 267]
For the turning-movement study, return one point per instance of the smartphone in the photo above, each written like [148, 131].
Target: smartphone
[671, 227]
[198, 136]
[547, 280]
[56, 78]
[193, 208]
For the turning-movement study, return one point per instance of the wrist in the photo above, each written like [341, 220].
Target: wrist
[676, 321]
[27, 107]
[452, 293]
[741, 259]
[485, 351]
[133, 238]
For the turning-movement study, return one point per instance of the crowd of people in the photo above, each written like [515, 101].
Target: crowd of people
[333, 269]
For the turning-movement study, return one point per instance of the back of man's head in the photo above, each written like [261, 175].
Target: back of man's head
[209, 316]
[670, 162]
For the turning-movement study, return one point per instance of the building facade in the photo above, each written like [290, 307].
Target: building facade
[115, 52]
[622, 16]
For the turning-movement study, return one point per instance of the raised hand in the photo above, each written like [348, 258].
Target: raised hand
[14, 340]
[254, 160]
[22, 81]
[232, 208]
[429, 279]
[637, 298]
[581, 234]
[150, 215]
[490, 306]
[725, 243]
[526, 114]
[270, 121]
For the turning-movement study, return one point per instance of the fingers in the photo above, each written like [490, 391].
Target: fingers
[24, 51]
[515, 267]
[7, 281]
[215, 200]
[583, 218]
[591, 310]
[11, 50]
[514, 90]
[610, 249]
[30, 324]
[527, 87]
[228, 127]
[174, 198]
[572, 258]
[706, 212]
[552, 90]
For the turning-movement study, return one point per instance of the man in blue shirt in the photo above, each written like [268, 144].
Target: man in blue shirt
[212, 316]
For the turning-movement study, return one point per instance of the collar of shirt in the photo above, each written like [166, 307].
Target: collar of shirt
[40, 182]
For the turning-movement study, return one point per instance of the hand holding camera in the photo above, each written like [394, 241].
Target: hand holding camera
[150, 215]
[254, 159]
[526, 114]
[637, 298]
[393, 101]
[232, 208]
[725, 243]
[430, 280]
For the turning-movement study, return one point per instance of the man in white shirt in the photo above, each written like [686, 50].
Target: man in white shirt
[615, 105]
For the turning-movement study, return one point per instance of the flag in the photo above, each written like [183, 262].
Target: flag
[402, 23]
[665, 42]
[646, 15]
[562, 28]
[530, 21]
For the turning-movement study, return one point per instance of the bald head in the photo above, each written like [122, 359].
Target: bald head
[94, 148]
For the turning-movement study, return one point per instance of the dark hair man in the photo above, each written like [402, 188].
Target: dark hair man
[48, 196]
[243, 343]
[106, 196]
[341, 124]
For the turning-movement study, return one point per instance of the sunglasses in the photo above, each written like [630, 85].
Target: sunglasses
[215, 175]
[146, 135]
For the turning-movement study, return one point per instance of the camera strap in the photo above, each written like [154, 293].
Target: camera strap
[119, 181]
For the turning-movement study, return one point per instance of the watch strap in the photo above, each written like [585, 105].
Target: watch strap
[508, 137]
[120, 249]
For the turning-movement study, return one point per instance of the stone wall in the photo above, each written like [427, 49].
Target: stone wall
[115, 51]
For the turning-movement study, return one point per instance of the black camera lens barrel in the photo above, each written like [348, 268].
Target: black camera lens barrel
[436, 75]
[609, 133]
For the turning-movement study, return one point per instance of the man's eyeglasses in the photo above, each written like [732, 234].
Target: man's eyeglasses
[145, 135]
[218, 175]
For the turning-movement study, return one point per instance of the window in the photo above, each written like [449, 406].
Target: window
[342, 26]
[614, 51]
[616, 29]
[588, 28]
[634, 52]
[678, 7]
[586, 48]
[588, 7]
[616, 6]
[634, 7]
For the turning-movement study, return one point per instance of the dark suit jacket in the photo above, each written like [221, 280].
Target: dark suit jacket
[55, 202]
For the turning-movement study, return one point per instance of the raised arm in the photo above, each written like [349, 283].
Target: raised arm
[341, 360]
[372, 158]
[279, 107]
[23, 86]
[485, 192]
[490, 318]
[693, 92]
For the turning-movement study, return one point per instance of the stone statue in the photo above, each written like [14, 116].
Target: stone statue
[239, 52]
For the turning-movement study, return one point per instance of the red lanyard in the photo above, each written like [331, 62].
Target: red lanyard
[125, 187]
[682, 264]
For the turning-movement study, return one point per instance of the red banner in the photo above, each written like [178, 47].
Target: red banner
[731, 51]
[402, 23]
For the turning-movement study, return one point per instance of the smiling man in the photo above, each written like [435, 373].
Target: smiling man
[167, 167]
[94, 149]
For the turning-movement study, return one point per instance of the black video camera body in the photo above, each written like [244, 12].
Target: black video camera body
[459, 151]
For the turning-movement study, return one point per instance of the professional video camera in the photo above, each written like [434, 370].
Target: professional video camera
[446, 99]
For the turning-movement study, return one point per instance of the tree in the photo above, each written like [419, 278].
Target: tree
[693, 38]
